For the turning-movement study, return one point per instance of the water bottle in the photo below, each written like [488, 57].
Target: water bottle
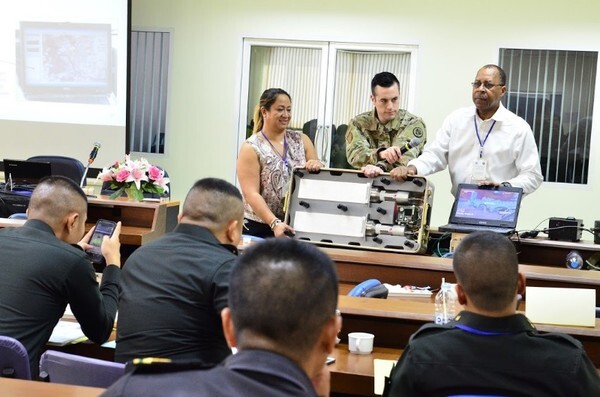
[445, 303]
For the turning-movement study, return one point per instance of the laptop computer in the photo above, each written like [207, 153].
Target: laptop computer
[24, 175]
[489, 208]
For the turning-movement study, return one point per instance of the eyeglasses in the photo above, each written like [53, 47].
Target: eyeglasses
[487, 86]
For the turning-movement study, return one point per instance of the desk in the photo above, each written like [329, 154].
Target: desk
[353, 374]
[141, 222]
[543, 251]
[29, 388]
[355, 266]
[393, 321]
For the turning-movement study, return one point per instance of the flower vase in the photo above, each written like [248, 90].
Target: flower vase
[133, 193]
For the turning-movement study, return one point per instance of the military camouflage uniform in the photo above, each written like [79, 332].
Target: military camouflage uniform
[366, 137]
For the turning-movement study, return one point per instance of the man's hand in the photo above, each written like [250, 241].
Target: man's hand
[401, 173]
[371, 171]
[391, 154]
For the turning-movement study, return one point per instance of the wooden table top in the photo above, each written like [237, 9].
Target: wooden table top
[29, 388]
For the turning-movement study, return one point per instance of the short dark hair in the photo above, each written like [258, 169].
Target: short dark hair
[383, 79]
[500, 72]
[284, 290]
[214, 202]
[268, 97]
[486, 265]
[56, 196]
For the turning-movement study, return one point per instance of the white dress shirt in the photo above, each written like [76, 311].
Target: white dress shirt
[510, 149]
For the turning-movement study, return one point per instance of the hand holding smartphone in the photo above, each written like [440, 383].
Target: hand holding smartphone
[103, 228]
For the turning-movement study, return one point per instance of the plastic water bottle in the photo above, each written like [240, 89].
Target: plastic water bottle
[445, 304]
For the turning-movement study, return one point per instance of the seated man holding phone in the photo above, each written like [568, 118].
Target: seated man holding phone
[283, 320]
[44, 268]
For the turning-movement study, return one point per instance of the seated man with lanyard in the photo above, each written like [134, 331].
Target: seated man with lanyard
[490, 349]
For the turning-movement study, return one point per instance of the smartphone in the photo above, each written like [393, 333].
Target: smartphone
[102, 228]
[330, 360]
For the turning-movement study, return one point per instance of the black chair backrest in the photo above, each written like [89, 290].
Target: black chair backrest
[65, 166]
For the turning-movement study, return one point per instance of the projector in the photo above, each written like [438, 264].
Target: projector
[565, 229]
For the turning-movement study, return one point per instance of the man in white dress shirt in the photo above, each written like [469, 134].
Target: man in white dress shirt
[483, 144]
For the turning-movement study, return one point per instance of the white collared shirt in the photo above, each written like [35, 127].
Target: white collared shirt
[510, 150]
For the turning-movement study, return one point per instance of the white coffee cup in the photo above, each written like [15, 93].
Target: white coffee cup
[360, 342]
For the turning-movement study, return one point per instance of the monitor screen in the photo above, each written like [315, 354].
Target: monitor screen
[488, 204]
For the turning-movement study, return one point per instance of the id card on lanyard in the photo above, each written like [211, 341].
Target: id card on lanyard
[479, 172]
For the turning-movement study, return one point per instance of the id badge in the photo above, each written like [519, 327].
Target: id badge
[479, 170]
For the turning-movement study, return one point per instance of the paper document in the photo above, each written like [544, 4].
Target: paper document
[66, 332]
[561, 306]
[381, 369]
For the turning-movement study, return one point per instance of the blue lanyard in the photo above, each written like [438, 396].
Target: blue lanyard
[479, 332]
[285, 148]
[482, 144]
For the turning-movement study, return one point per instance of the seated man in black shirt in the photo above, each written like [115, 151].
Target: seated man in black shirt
[281, 317]
[42, 271]
[175, 287]
[490, 349]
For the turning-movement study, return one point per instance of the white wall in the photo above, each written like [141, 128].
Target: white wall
[454, 39]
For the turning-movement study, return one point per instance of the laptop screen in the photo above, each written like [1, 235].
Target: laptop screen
[484, 205]
[25, 173]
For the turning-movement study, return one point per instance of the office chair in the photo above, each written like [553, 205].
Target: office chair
[338, 148]
[18, 215]
[59, 367]
[65, 166]
[14, 360]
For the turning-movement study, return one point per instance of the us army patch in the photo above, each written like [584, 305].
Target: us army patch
[418, 132]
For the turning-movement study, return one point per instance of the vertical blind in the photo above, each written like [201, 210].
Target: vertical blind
[295, 70]
[354, 72]
[148, 90]
[554, 92]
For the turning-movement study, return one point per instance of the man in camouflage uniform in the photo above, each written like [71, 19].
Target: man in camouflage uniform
[374, 138]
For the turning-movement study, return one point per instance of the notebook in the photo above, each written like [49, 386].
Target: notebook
[24, 174]
[479, 208]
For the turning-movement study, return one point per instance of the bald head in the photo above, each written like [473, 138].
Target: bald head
[486, 266]
[54, 198]
[212, 203]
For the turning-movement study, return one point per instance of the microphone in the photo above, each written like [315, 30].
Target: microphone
[409, 145]
[94, 152]
[93, 155]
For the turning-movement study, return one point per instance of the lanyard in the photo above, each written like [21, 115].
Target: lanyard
[479, 332]
[482, 144]
[285, 148]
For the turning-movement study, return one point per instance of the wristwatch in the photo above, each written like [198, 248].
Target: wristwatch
[506, 184]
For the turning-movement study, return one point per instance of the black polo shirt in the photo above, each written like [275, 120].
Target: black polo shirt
[173, 291]
[493, 356]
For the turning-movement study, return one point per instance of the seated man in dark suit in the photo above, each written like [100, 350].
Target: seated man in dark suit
[281, 317]
[41, 271]
[490, 349]
[175, 287]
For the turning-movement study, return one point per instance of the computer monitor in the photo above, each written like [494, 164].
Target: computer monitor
[25, 174]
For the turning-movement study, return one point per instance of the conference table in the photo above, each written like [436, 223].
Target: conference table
[30, 388]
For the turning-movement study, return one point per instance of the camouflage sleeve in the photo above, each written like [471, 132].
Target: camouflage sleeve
[359, 151]
[415, 129]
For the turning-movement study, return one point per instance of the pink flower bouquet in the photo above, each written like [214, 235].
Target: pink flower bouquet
[134, 177]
